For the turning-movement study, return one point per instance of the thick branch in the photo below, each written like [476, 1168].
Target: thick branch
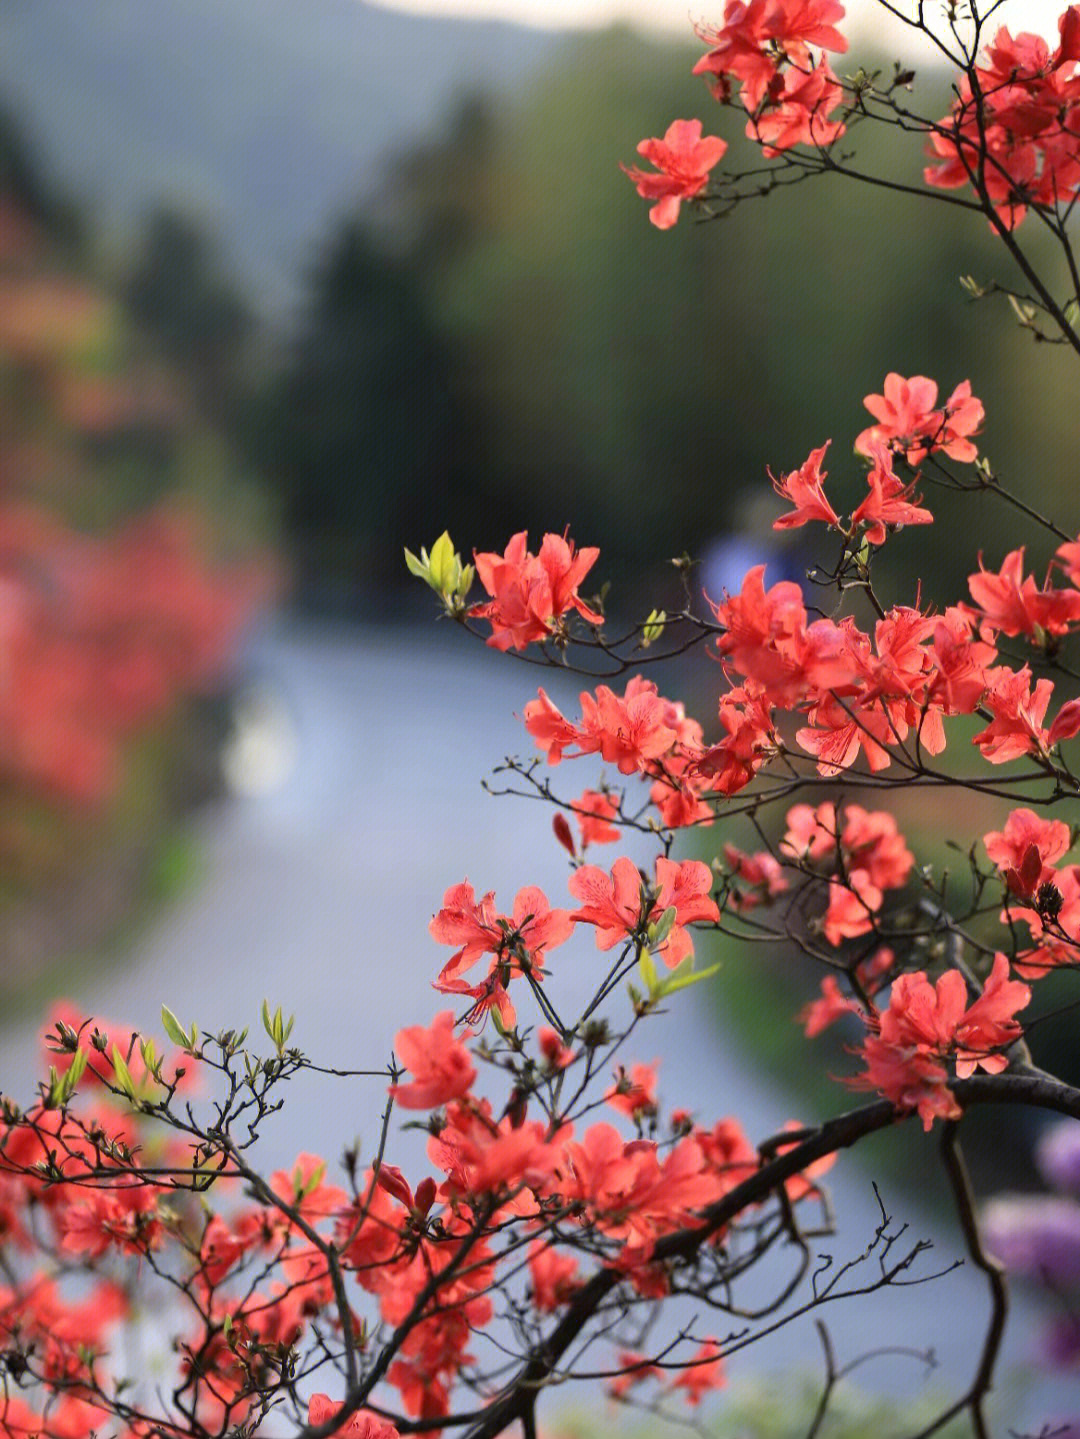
[956, 1171]
[1035, 1090]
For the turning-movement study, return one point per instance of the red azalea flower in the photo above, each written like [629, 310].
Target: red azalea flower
[802, 487]
[683, 161]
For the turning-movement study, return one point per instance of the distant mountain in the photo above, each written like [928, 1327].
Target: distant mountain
[263, 117]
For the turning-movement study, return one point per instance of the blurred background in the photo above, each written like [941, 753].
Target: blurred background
[286, 285]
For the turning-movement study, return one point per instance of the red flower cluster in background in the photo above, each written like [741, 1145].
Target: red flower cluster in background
[118, 601]
[102, 636]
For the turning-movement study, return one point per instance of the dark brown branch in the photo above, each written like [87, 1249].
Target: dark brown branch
[1034, 1090]
[956, 1172]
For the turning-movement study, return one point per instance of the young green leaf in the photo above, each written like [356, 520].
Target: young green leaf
[173, 1028]
[683, 977]
[648, 971]
[653, 628]
[123, 1074]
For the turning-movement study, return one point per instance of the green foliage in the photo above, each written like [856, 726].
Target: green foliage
[194, 316]
[22, 181]
[643, 382]
[360, 423]
[768, 1410]
[443, 571]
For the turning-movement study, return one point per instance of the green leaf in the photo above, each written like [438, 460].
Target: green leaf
[76, 1070]
[123, 1074]
[648, 971]
[653, 628]
[173, 1028]
[445, 564]
[274, 1026]
[416, 567]
[1024, 311]
[315, 1178]
[659, 932]
[683, 977]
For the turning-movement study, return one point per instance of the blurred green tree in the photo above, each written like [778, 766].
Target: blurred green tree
[24, 188]
[195, 317]
[504, 339]
[639, 384]
[360, 426]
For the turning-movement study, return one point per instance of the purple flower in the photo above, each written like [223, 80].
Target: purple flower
[1058, 1157]
[1061, 1339]
[1036, 1236]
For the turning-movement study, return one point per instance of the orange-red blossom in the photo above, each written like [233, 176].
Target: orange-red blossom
[927, 1024]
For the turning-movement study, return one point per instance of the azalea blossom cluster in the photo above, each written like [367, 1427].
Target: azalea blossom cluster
[105, 1180]
[910, 424]
[787, 91]
[882, 696]
[1041, 895]
[532, 594]
[563, 1209]
[790, 95]
[1011, 134]
[881, 693]
[926, 1022]
[622, 906]
[1014, 124]
[879, 696]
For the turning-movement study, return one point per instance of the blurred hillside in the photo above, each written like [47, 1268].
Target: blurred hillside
[584, 369]
[260, 117]
[472, 322]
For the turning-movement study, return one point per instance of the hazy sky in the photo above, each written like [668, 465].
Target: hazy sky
[675, 15]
